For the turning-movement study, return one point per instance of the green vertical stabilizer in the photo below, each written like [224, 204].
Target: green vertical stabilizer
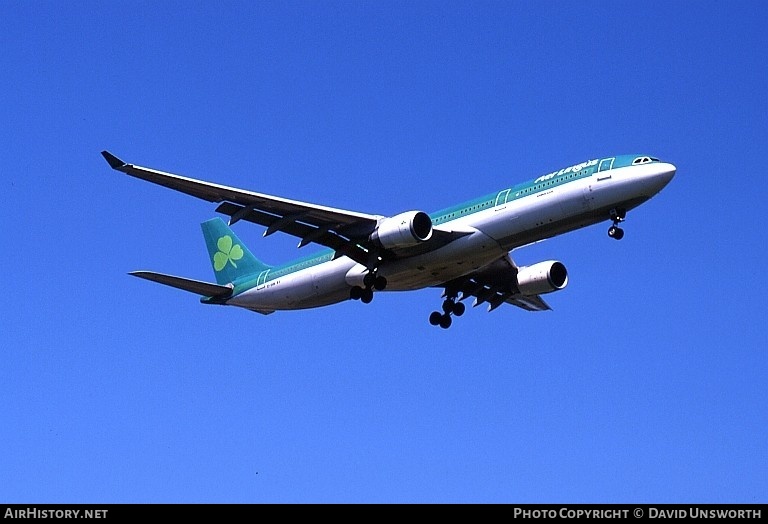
[230, 258]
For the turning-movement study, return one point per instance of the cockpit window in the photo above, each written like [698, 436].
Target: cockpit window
[643, 160]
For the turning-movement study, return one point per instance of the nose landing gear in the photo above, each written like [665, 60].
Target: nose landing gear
[617, 215]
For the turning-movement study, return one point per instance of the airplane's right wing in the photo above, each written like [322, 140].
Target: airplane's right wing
[346, 232]
[274, 212]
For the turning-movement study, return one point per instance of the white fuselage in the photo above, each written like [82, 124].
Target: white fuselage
[492, 232]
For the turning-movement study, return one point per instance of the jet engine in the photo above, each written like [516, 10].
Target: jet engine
[403, 230]
[544, 277]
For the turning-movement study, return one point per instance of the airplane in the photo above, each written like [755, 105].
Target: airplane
[463, 249]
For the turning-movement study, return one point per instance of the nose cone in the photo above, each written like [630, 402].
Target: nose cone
[666, 173]
[658, 176]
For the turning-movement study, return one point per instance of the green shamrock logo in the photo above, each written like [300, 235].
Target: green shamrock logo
[226, 253]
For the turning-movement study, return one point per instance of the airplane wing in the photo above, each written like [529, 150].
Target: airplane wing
[347, 232]
[529, 303]
[495, 284]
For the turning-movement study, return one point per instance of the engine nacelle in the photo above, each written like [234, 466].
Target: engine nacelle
[356, 275]
[544, 277]
[403, 230]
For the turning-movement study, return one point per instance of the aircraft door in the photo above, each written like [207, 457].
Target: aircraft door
[501, 198]
[605, 164]
[604, 169]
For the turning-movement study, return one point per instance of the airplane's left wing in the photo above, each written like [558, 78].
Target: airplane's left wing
[528, 302]
[494, 285]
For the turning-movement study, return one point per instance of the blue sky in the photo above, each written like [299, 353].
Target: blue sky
[647, 383]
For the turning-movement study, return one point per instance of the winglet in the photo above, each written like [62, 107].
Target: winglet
[114, 162]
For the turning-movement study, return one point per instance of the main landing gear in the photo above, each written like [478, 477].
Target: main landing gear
[450, 306]
[618, 215]
[372, 282]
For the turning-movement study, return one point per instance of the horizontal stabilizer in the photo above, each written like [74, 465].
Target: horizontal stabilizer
[193, 286]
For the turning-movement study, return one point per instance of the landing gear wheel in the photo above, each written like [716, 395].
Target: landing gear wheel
[617, 215]
[366, 295]
[369, 279]
[615, 232]
[379, 283]
[451, 306]
[356, 293]
[458, 309]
